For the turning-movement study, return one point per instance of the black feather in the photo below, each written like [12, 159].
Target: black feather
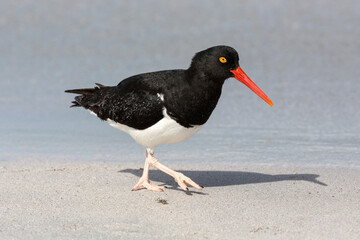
[84, 91]
[100, 85]
[75, 104]
[189, 96]
[127, 104]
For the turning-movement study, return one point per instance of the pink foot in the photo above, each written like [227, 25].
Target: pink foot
[144, 182]
[185, 181]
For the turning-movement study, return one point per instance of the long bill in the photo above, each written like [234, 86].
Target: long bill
[242, 77]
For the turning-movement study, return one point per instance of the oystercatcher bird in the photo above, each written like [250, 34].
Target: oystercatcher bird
[166, 106]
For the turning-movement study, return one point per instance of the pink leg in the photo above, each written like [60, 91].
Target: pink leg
[180, 178]
[144, 180]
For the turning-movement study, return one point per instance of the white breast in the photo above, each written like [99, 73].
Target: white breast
[164, 131]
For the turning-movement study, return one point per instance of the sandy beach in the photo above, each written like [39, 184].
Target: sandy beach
[95, 201]
[291, 171]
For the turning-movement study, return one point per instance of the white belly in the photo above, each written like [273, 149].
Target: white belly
[165, 131]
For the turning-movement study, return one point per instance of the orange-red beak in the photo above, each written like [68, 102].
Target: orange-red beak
[242, 77]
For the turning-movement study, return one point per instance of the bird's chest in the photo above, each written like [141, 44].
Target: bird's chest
[193, 107]
[201, 103]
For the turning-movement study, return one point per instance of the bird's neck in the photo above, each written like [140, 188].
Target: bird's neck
[196, 77]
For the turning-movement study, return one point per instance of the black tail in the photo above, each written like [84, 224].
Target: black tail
[83, 92]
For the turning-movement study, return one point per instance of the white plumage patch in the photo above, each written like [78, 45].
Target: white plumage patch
[161, 96]
[164, 131]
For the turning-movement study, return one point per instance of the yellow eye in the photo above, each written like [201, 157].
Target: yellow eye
[222, 60]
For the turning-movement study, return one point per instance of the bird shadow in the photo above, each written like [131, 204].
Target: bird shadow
[224, 178]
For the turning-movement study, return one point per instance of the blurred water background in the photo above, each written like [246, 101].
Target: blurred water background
[305, 55]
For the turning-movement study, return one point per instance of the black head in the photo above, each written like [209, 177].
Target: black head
[216, 62]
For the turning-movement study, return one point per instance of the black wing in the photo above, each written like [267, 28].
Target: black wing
[130, 103]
